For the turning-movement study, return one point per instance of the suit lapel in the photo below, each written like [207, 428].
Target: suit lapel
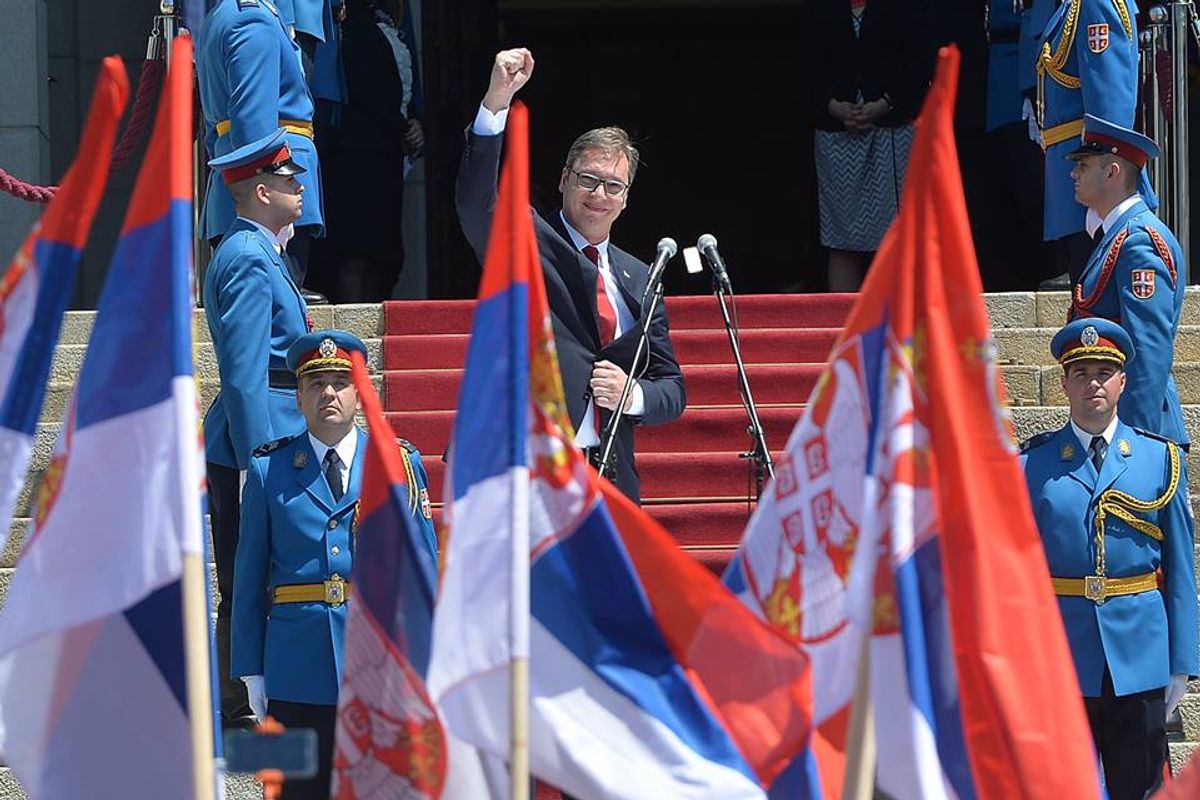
[580, 278]
[309, 475]
[1092, 270]
[1115, 461]
[1071, 451]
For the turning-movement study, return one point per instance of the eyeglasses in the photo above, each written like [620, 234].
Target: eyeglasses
[588, 182]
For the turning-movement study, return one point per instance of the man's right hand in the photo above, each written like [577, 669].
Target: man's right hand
[510, 72]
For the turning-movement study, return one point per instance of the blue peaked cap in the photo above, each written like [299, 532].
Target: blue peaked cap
[268, 154]
[1092, 338]
[324, 350]
[1101, 137]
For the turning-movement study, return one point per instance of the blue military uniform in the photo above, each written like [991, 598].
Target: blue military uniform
[296, 537]
[1029, 45]
[1003, 93]
[251, 83]
[1136, 277]
[255, 313]
[1119, 546]
[1088, 63]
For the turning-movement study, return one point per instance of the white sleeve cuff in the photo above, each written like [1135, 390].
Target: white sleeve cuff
[489, 124]
[637, 400]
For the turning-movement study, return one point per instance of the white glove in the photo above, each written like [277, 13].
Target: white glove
[1174, 692]
[241, 484]
[256, 689]
[1030, 118]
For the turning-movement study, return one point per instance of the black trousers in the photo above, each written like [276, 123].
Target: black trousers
[322, 719]
[1130, 733]
[224, 508]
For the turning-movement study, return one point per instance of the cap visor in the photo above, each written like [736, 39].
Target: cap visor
[288, 168]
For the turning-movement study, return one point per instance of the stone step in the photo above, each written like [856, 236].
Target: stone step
[1049, 309]
[364, 320]
[68, 358]
[237, 787]
[1031, 346]
[58, 394]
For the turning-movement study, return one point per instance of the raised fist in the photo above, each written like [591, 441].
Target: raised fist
[511, 70]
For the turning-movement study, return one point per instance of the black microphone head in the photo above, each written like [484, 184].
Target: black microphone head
[667, 244]
[705, 242]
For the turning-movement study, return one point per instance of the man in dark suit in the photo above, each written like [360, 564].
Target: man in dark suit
[594, 288]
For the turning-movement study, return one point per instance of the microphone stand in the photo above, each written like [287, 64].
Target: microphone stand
[763, 466]
[608, 464]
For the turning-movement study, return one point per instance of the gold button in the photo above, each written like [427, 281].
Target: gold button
[335, 550]
[332, 524]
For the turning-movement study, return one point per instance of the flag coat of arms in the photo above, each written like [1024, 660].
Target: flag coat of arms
[389, 741]
[899, 511]
[640, 662]
[97, 698]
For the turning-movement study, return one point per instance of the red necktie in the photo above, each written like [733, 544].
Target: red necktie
[606, 315]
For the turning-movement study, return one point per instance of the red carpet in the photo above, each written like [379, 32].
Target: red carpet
[692, 479]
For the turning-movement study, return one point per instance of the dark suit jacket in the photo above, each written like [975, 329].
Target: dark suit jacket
[570, 281]
[893, 54]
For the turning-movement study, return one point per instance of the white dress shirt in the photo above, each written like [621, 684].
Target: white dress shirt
[346, 449]
[1093, 221]
[1085, 438]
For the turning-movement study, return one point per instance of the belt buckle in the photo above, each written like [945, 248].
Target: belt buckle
[1095, 588]
[335, 591]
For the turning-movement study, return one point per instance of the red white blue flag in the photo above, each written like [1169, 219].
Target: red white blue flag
[389, 740]
[647, 678]
[37, 286]
[97, 698]
[899, 511]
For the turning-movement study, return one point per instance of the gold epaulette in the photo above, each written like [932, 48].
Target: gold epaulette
[410, 474]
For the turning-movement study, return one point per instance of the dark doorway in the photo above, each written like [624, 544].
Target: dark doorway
[712, 94]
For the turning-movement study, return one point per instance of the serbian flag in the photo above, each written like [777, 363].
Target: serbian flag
[899, 510]
[97, 695]
[646, 677]
[37, 286]
[389, 741]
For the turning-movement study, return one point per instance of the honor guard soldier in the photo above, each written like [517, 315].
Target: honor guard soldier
[295, 557]
[1136, 274]
[252, 83]
[1088, 64]
[1111, 505]
[254, 314]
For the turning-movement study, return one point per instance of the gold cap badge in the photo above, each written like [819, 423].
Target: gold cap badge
[328, 349]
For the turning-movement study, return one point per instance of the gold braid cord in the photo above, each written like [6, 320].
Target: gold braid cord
[1053, 63]
[1084, 304]
[1164, 252]
[1123, 506]
[410, 480]
[1123, 13]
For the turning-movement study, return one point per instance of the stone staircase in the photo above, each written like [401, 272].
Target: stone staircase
[1022, 324]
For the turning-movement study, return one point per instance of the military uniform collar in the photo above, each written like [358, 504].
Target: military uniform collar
[345, 449]
[1093, 221]
[1085, 438]
[272, 237]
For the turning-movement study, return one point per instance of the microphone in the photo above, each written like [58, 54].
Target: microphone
[707, 244]
[664, 252]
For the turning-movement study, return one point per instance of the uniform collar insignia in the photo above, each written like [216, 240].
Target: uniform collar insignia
[1067, 453]
[300, 459]
[1123, 446]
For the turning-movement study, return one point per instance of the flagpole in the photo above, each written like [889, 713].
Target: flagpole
[518, 762]
[859, 780]
[199, 677]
